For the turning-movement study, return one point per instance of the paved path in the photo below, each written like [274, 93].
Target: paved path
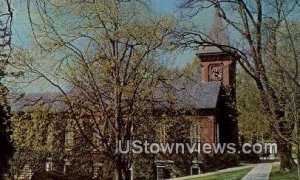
[259, 172]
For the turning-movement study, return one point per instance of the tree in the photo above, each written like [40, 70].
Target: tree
[5, 142]
[106, 51]
[258, 27]
[252, 120]
[33, 132]
[5, 49]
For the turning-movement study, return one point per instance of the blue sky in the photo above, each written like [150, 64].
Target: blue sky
[21, 26]
[167, 6]
[22, 37]
[22, 32]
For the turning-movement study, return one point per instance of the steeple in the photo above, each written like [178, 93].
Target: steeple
[217, 60]
[217, 35]
[217, 32]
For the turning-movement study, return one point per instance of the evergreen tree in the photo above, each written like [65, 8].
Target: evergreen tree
[5, 51]
[6, 148]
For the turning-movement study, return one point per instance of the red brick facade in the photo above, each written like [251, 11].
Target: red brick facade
[216, 124]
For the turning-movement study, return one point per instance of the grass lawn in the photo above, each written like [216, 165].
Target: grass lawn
[233, 175]
[277, 175]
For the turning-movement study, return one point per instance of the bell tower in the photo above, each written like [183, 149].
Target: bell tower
[218, 63]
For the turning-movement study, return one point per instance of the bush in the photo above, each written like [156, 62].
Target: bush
[215, 162]
[250, 158]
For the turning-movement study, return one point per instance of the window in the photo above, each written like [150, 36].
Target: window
[195, 133]
[50, 140]
[69, 139]
[67, 165]
[49, 165]
[195, 169]
[97, 167]
[162, 134]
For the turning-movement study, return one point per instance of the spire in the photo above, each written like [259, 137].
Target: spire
[217, 32]
[217, 35]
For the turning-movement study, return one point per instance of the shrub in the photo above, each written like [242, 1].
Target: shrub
[214, 162]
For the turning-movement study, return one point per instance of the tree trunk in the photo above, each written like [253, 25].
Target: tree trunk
[285, 156]
[119, 168]
[122, 172]
[126, 173]
[283, 129]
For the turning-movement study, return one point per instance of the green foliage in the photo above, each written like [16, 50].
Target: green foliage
[213, 162]
[170, 126]
[36, 130]
[112, 73]
[37, 135]
[192, 69]
[276, 174]
[253, 121]
[6, 149]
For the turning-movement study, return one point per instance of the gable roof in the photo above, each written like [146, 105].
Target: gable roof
[183, 94]
[207, 95]
[190, 94]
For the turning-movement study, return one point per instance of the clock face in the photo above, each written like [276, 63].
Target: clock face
[216, 73]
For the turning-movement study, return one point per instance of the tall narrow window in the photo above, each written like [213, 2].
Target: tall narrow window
[162, 134]
[69, 139]
[195, 136]
[195, 133]
[50, 140]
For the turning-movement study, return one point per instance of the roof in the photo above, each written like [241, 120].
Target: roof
[207, 94]
[41, 99]
[189, 94]
[184, 93]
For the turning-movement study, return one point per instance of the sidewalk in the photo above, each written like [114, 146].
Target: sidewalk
[259, 172]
